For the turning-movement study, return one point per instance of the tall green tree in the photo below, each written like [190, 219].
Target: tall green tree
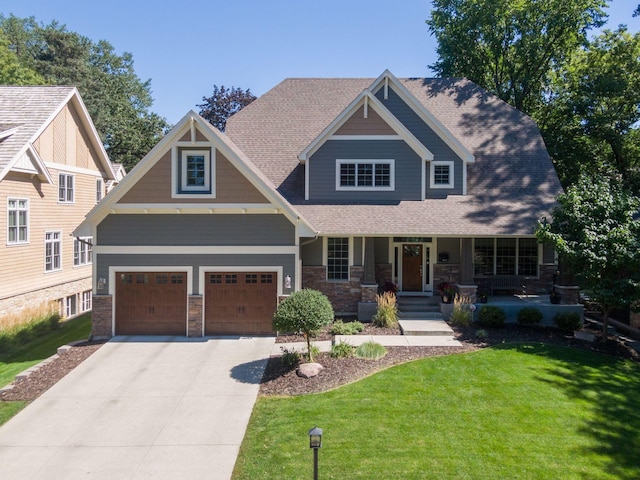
[118, 101]
[509, 47]
[12, 72]
[591, 113]
[223, 103]
[596, 232]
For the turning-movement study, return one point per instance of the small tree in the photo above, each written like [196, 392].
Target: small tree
[596, 231]
[305, 311]
[223, 103]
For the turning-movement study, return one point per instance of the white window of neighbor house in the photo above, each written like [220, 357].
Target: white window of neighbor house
[86, 301]
[17, 221]
[82, 251]
[71, 303]
[99, 189]
[66, 188]
[441, 174]
[52, 251]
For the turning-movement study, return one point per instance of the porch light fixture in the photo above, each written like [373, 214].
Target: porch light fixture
[287, 284]
[315, 442]
[102, 282]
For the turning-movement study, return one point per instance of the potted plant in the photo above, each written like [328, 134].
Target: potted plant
[448, 292]
[483, 295]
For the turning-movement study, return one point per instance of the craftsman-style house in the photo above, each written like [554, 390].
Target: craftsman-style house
[342, 185]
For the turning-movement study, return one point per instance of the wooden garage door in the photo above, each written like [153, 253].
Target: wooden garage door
[240, 303]
[151, 303]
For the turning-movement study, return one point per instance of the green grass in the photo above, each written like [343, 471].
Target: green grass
[525, 411]
[34, 352]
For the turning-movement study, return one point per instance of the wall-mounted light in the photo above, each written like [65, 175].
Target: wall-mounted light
[287, 281]
[102, 282]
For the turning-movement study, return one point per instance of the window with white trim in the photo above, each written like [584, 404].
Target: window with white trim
[99, 189]
[195, 171]
[82, 251]
[17, 221]
[86, 301]
[66, 188]
[365, 175]
[506, 256]
[70, 306]
[441, 174]
[52, 251]
[338, 258]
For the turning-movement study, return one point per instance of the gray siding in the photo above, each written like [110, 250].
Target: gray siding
[322, 173]
[196, 230]
[311, 253]
[428, 138]
[381, 247]
[104, 261]
[450, 246]
[357, 251]
[548, 254]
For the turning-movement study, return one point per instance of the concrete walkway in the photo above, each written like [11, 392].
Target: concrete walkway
[162, 408]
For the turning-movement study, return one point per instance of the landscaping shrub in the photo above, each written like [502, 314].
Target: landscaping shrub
[349, 328]
[569, 321]
[290, 358]
[482, 334]
[342, 350]
[306, 311]
[529, 316]
[461, 314]
[387, 313]
[370, 351]
[491, 316]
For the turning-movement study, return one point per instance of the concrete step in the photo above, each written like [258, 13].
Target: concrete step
[425, 327]
[421, 315]
[418, 308]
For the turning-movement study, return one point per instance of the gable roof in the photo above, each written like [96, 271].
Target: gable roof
[239, 160]
[25, 112]
[511, 181]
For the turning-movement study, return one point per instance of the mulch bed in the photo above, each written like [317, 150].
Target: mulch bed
[279, 379]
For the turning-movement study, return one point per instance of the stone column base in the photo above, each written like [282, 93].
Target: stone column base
[195, 315]
[102, 317]
[569, 295]
[369, 292]
[468, 291]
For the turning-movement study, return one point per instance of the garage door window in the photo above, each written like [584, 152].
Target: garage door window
[177, 279]
[162, 279]
[215, 278]
[231, 279]
[142, 279]
[266, 278]
[251, 278]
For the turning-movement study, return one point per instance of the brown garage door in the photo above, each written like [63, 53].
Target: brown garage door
[151, 303]
[240, 303]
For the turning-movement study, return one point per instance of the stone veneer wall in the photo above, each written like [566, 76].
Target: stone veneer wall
[17, 303]
[343, 295]
[195, 315]
[445, 272]
[101, 317]
[384, 273]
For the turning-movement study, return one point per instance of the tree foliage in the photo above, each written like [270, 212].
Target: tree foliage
[596, 232]
[305, 311]
[223, 103]
[117, 99]
[509, 47]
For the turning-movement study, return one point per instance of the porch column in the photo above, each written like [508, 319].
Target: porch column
[369, 262]
[466, 262]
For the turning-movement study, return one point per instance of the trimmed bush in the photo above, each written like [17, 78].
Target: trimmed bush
[349, 328]
[342, 350]
[529, 316]
[387, 313]
[306, 311]
[370, 351]
[569, 322]
[492, 316]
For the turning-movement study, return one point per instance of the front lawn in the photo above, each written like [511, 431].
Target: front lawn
[33, 352]
[526, 411]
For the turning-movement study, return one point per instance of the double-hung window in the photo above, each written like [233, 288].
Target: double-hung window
[441, 174]
[195, 171]
[365, 175]
[17, 221]
[52, 251]
[65, 188]
[338, 258]
[99, 189]
[82, 251]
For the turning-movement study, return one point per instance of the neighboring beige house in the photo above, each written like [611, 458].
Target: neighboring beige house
[53, 170]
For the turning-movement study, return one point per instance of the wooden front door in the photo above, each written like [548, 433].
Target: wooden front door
[412, 267]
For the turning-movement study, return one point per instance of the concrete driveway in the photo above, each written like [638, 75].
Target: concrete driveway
[141, 408]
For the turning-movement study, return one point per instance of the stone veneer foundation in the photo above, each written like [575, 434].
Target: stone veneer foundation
[195, 315]
[102, 317]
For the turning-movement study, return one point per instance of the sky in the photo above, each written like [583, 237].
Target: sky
[185, 48]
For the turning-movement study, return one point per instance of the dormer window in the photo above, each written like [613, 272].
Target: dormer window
[365, 175]
[441, 174]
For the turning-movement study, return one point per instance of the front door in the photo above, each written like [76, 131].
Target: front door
[412, 267]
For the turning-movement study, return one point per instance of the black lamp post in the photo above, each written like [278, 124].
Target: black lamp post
[315, 442]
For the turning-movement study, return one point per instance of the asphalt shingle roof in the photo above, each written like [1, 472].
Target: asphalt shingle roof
[511, 184]
[28, 108]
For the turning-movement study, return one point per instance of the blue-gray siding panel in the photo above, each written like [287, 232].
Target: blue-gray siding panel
[428, 138]
[311, 253]
[322, 170]
[104, 261]
[196, 230]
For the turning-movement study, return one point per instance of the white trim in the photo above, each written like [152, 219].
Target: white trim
[203, 270]
[66, 188]
[437, 163]
[88, 242]
[179, 153]
[112, 287]
[433, 123]
[369, 188]
[8, 132]
[28, 225]
[59, 241]
[365, 137]
[325, 257]
[63, 168]
[193, 250]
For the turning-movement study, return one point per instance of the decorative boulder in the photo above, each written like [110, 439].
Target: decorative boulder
[308, 370]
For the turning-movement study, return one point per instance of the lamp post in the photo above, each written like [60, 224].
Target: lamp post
[315, 442]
